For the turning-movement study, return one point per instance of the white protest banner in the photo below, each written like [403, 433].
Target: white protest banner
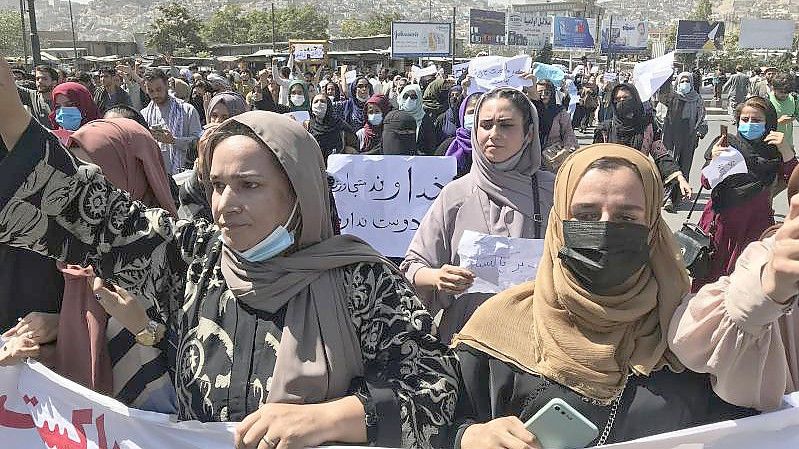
[726, 164]
[490, 72]
[498, 262]
[460, 69]
[349, 77]
[427, 71]
[649, 75]
[609, 76]
[299, 116]
[382, 199]
[305, 50]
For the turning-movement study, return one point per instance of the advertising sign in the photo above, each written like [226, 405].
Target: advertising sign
[697, 35]
[529, 30]
[626, 37]
[414, 39]
[573, 33]
[766, 34]
[486, 27]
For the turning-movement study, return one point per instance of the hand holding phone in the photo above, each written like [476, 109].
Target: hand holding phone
[559, 426]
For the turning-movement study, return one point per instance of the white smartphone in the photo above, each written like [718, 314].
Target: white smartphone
[559, 426]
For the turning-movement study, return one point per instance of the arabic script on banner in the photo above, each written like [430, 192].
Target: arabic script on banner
[497, 262]
[382, 199]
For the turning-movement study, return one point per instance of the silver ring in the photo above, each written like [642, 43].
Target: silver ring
[269, 442]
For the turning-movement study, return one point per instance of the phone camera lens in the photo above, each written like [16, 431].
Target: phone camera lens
[557, 407]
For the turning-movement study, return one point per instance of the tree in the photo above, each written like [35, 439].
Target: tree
[175, 29]
[227, 25]
[291, 22]
[702, 11]
[378, 24]
[10, 33]
[545, 55]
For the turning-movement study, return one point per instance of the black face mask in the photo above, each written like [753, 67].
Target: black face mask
[603, 254]
[626, 108]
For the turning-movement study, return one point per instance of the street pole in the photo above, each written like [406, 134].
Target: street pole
[610, 44]
[453, 37]
[430, 10]
[273, 28]
[36, 50]
[74, 39]
[24, 37]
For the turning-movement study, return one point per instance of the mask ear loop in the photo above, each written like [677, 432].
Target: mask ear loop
[292, 217]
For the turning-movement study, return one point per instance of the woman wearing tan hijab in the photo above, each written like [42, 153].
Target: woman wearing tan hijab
[504, 194]
[304, 337]
[591, 330]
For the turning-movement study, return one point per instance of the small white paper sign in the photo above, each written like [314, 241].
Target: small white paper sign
[299, 116]
[728, 163]
[497, 262]
[610, 76]
[460, 69]
[427, 71]
[350, 76]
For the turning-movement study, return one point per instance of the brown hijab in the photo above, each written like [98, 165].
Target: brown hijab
[319, 352]
[587, 342]
[130, 158]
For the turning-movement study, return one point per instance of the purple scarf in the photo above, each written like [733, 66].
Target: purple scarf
[461, 146]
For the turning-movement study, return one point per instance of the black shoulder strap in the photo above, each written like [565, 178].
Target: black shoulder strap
[537, 218]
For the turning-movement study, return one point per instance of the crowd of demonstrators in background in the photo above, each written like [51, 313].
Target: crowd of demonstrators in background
[683, 127]
[740, 207]
[505, 194]
[737, 88]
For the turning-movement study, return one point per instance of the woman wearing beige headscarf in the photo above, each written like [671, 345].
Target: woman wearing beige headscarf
[591, 329]
[304, 337]
[505, 194]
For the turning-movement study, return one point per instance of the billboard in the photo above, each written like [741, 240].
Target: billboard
[486, 27]
[573, 33]
[767, 34]
[698, 35]
[626, 37]
[529, 30]
[414, 39]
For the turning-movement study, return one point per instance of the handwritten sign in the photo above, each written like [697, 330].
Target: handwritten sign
[299, 116]
[304, 51]
[726, 164]
[490, 72]
[350, 77]
[418, 73]
[460, 69]
[497, 262]
[382, 199]
[649, 75]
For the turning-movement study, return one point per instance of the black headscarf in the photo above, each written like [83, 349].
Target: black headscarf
[399, 133]
[547, 115]
[328, 130]
[628, 128]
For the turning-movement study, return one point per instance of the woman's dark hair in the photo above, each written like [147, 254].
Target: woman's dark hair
[611, 164]
[518, 99]
[51, 72]
[764, 106]
[782, 81]
[547, 84]
[156, 73]
[126, 111]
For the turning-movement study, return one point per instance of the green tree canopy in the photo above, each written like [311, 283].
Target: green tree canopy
[175, 29]
[227, 25]
[702, 11]
[377, 24]
[291, 22]
[10, 33]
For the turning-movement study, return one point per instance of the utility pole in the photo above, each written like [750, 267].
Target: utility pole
[36, 51]
[273, 29]
[24, 35]
[74, 39]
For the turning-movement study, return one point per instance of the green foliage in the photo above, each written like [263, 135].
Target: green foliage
[291, 22]
[10, 33]
[702, 11]
[545, 55]
[377, 24]
[175, 31]
[226, 26]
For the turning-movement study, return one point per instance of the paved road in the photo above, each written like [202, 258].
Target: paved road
[676, 220]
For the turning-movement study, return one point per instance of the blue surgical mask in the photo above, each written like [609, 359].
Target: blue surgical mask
[409, 104]
[751, 130]
[69, 117]
[275, 243]
[684, 88]
[375, 119]
[468, 121]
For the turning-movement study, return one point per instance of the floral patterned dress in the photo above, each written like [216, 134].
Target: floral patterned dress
[224, 352]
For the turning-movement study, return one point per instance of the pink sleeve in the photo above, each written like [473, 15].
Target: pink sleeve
[787, 168]
[731, 330]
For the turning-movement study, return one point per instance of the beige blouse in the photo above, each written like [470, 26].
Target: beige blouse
[746, 341]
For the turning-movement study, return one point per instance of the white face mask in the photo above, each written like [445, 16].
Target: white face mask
[319, 109]
[468, 121]
[375, 119]
[298, 100]
[684, 87]
[409, 104]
